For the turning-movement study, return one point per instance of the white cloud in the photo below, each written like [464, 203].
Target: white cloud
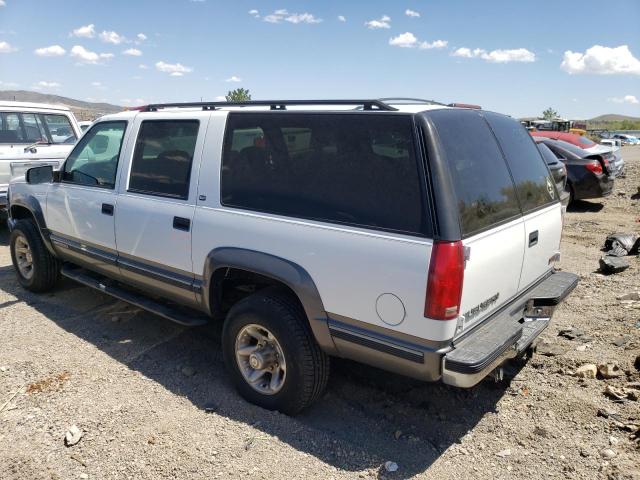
[632, 99]
[283, 15]
[142, 66]
[112, 37]
[409, 40]
[52, 51]
[342, 18]
[87, 56]
[233, 78]
[411, 13]
[254, 13]
[141, 37]
[173, 69]
[220, 98]
[86, 31]
[46, 85]
[383, 22]
[8, 84]
[435, 44]
[5, 47]
[601, 60]
[404, 40]
[96, 84]
[132, 101]
[134, 52]
[2, 3]
[497, 56]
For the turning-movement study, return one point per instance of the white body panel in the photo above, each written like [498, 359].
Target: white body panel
[537, 258]
[493, 268]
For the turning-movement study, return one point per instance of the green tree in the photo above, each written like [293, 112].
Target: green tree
[238, 95]
[549, 114]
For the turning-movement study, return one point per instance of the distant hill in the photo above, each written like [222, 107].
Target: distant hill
[613, 117]
[82, 110]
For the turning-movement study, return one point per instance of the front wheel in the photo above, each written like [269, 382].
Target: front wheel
[271, 355]
[37, 270]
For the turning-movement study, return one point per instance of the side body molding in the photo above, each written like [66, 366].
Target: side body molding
[277, 268]
[31, 203]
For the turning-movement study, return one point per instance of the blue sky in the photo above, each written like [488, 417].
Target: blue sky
[515, 57]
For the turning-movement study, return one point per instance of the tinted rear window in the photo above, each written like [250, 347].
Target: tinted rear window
[356, 169]
[547, 154]
[484, 190]
[534, 184]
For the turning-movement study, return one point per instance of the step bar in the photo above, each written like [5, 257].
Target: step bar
[112, 288]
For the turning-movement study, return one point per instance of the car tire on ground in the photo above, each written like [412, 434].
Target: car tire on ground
[270, 352]
[37, 270]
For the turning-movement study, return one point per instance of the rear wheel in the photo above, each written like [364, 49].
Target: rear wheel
[271, 355]
[37, 270]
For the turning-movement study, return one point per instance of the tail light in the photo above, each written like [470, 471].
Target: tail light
[594, 167]
[444, 285]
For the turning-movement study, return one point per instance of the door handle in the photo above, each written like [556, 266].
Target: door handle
[107, 209]
[180, 223]
[533, 238]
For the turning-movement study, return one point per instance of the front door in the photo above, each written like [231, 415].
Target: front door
[81, 207]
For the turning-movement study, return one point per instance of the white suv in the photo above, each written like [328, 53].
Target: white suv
[416, 238]
[33, 134]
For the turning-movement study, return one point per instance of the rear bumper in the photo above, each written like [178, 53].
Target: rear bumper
[506, 334]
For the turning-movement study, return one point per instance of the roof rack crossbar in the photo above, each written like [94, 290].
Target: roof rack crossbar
[272, 104]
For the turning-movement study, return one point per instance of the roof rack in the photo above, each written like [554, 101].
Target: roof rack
[273, 104]
[408, 101]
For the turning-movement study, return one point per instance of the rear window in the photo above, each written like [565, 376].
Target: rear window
[354, 169]
[483, 186]
[533, 181]
[547, 154]
[162, 158]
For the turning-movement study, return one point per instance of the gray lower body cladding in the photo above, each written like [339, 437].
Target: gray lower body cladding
[468, 359]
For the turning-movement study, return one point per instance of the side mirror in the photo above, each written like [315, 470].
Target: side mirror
[38, 175]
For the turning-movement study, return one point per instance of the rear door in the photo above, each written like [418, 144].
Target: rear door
[156, 202]
[537, 194]
[490, 218]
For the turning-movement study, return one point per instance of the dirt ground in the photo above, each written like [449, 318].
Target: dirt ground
[152, 399]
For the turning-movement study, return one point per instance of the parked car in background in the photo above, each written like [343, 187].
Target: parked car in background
[585, 143]
[626, 139]
[33, 134]
[558, 171]
[588, 174]
[611, 142]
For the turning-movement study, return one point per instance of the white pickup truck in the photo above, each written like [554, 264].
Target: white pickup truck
[33, 134]
[414, 237]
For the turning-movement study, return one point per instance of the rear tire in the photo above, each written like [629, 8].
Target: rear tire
[292, 361]
[37, 270]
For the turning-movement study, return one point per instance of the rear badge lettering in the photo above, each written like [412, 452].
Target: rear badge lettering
[481, 307]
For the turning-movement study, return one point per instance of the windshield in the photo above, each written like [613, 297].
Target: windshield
[28, 128]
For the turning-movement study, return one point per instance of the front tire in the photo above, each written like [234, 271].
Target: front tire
[37, 270]
[271, 355]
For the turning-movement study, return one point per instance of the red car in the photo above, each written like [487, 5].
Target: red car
[572, 138]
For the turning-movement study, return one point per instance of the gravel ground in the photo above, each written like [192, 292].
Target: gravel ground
[151, 398]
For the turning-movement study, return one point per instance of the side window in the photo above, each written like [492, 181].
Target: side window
[533, 181]
[60, 128]
[34, 129]
[483, 185]
[162, 158]
[350, 169]
[10, 129]
[94, 160]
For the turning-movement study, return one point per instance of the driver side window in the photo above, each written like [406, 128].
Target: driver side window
[94, 160]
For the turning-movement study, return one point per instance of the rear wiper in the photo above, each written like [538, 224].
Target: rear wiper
[34, 145]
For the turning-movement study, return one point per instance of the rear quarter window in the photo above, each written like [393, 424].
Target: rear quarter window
[484, 189]
[354, 169]
[533, 181]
